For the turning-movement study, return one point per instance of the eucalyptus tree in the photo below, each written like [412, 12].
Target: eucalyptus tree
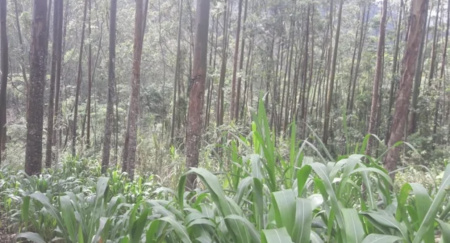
[197, 90]
[418, 17]
[129, 150]
[111, 86]
[35, 102]
[4, 75]
[378, 78]
[54, 74]
[78, 84]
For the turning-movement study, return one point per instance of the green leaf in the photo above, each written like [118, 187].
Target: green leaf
[138, 226]
[284, 205]
[31, 237]
[377, 238]
[275, 236]
[25, 209]
[150, 236]
[80, 235]
[445, 230]
[250, 227]
[68, 215]
[302, 177]
[385, 220]
[353, 227]
[102, 185]
[178, 228]
[321, 171]
[303, 219]
[439, 198]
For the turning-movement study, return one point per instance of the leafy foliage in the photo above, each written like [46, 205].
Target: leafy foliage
[265, 196]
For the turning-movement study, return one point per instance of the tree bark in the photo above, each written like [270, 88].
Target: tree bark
[326, 126]
[235, 65]
[129, 150]
[394, 78]
[88, 103]
[241, 64]
[38, 61]
[19, 33]
[111, 86]
[197, 91]
[223, 69]
[56, 59]
[79, 77]
[418, 15]
[414, 119]
[4, 75]
[378, 79]
[177, 73]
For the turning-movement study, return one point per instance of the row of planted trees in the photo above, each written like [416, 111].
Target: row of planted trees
[313, 62]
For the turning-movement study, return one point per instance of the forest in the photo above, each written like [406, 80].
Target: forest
[224, 121]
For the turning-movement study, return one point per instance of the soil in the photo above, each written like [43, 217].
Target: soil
[5, 235]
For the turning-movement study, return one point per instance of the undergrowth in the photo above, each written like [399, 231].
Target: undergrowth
[258, 194]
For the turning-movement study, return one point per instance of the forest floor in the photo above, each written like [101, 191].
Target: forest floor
[5, 235]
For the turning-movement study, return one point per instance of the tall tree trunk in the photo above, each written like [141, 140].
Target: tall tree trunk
[305, 86]
[394, 78]
[418, 18]
[177, 73]
[329, 100]
[35, 111]
[111, 86]
[79, 77]
[56, 59]
[441, 76]
[378, 79]
[4, 74]
[212, 62]
[223, 69]
[235, 65]
[19, 33]
[129, 150]
[197, 90]
[433, 51]
[241, 64]
[356, 47]
[88, 103]
[413, 121]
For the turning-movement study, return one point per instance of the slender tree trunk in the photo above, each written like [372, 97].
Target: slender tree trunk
[212, 62]
[394, 78]
[418, 15]
[35, 111]
[326, 126]
[223, 69]
[88, 104]
[378, 79]
[235, 65]
[363, 32]
[433, 51]
[56, 58]
[413, 121]
[441, 76]
[4, 74]
[197, 91]
[111, 86]
[79, 77]
[305, 86]
[177, 73]
[129, 152]
[19, 33]
[241, 64]
[352, 69]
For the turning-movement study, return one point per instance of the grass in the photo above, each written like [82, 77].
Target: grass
[262, 194]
